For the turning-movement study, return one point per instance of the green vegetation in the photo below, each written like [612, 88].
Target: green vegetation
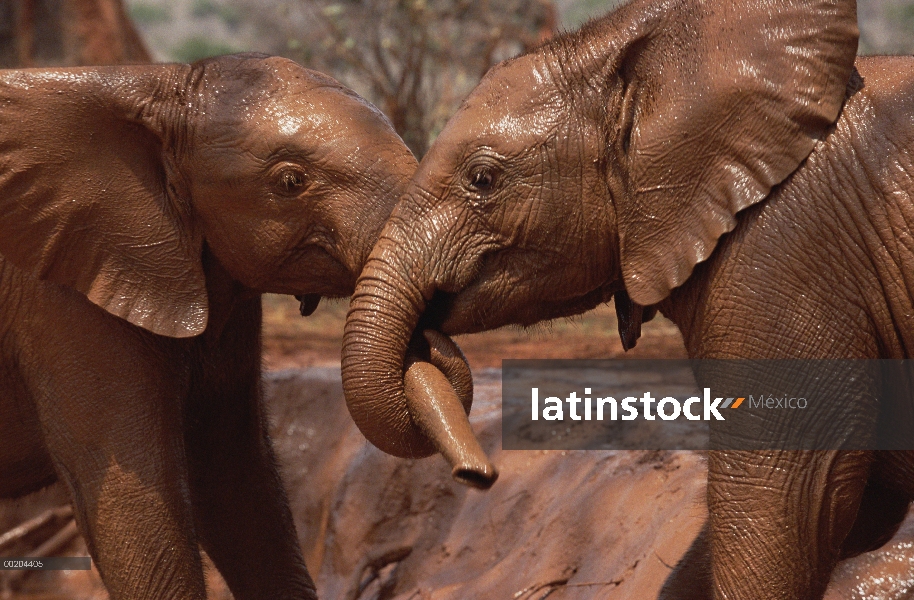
[902, 19]
[207, 8]
[197, 47]
[578, 13]
[149, 14]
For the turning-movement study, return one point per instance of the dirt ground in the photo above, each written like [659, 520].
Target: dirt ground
[563, 525]
[291, 341]
[567, 525]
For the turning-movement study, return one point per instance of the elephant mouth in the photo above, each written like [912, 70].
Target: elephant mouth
[437, 312]
[474, 310]
[310, 272]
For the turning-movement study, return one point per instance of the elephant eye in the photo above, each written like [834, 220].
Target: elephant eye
[291, 181]
[482, 179]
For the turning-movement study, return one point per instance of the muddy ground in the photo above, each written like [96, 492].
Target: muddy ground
[293, 342]
[557, 524]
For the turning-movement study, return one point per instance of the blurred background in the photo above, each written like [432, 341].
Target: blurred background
[414, 59]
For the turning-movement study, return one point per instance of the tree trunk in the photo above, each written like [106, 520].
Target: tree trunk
[44, 33]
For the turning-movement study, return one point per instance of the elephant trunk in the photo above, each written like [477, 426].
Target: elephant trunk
[409, 394]
[439, 393]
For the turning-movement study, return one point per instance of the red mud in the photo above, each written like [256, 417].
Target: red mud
[569, 525]
[293, 342]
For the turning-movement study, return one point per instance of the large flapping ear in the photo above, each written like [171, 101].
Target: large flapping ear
[85, 198]
[722, 100]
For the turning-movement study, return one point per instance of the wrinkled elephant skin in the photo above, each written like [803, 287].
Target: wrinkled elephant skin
[721, 162]
[144, 211]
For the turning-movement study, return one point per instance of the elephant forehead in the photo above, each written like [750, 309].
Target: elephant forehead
[508, 134]
[528, 78]
[290, 115]
[329, 109]
[296, 121]
[530, 127]
[515, 105]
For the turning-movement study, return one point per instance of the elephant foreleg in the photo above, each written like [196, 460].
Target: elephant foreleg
[240, 507]
[880, 514]
[779, 519]
[882, 510]
[114, 446]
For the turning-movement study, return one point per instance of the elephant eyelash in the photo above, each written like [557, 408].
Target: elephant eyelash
[482, 177]
[482, 180]
[290, 180]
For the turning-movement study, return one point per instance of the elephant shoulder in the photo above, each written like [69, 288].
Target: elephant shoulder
[882, 103]
[870, 142]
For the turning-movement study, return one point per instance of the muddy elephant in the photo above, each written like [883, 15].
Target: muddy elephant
[143, 210]
[723, 163]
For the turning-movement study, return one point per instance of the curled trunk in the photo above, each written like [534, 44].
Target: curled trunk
[438, 388]
[409, 394]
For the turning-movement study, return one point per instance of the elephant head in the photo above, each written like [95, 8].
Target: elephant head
[113, 180]
[605, 162]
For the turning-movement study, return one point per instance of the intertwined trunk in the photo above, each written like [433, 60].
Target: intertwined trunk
[383, 314]
[409, 392]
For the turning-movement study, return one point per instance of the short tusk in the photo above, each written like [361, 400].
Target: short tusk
[438, 412]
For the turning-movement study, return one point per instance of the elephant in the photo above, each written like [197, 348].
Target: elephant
[733, 166]
[143, 212]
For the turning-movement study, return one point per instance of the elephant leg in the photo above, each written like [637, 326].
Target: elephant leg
[778, 520]
[117, 445]
[885, 502]
[240, 507]
[881, 512]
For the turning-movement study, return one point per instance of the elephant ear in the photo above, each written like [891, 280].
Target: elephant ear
[85, 200]
[721, 102]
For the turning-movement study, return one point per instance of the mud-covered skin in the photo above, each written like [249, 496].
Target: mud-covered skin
[615, 159]
[145, 209]
[438, 387]
[824, 268]
[556, 184]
